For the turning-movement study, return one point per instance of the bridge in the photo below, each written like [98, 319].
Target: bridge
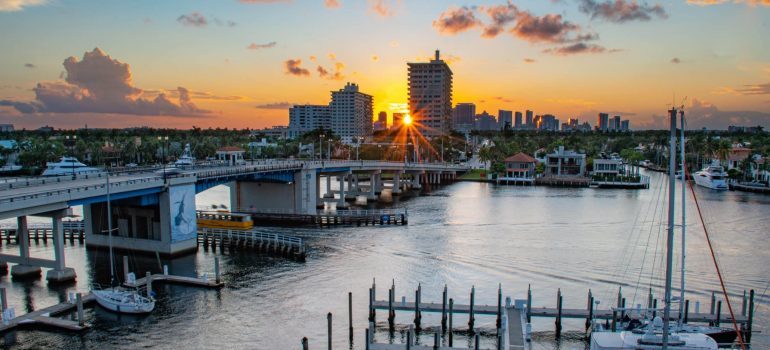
[153, 210]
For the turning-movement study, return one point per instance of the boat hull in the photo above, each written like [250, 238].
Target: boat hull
[706, 182]
[103, 299]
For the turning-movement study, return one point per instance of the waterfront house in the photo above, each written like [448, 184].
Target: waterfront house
[519, 169]
[565, 163]
[738, 153]
[231, 155]
[608, 166]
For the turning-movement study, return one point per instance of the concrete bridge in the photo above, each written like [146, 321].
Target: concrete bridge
[155, 212]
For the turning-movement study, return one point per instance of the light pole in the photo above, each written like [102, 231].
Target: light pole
[70, 143]
[321, 146]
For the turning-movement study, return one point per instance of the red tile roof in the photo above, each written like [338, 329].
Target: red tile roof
[521, 158]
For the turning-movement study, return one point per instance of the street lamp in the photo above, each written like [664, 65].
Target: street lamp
[164, 141]
[321, 147]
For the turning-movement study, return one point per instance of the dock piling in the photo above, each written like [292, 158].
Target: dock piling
[4, 299]
[476, 342]
[329, 329]
[743, 304]
[366, 339]
[165, 270]
[443, 309]
[558, 312]
[623, 308]
[686, 311]
[654, 308]
[391, 313]
[216, 269]
[451, 307]
[471, 319]
[125, 268]
[697, 306]
[409, 337]
[374, 297]
[417, 315]
[713, 302]
[149, 284]
[304, 343]
[435, 341]
[750, 321]
[79, 298]
[499, 307]
[350, 317]
[719, 313]
[590, 311]
[529, 303]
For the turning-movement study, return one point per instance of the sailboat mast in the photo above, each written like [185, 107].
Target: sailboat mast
[109, 231]
[670, 238]
[684, 218]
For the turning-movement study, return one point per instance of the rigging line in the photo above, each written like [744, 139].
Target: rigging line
[647, 245]
[657, 243]
[716, 265]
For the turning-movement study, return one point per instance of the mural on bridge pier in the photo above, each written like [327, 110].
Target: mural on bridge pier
[182, 202]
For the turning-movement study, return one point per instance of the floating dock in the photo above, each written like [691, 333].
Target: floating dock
[273, 243]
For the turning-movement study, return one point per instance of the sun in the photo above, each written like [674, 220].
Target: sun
[407, 119]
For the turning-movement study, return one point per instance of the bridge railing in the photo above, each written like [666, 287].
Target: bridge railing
[76, 225]
[322, 212]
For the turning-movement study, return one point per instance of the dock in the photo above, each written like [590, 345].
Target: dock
[749, 187]
[46, 317]
[272, 243]
[165, 277]
[73, 230]
[328, 218]
[563, 181]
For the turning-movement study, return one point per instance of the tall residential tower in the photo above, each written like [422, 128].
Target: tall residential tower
[430, 96]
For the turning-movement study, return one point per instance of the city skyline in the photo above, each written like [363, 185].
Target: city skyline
[234, 63]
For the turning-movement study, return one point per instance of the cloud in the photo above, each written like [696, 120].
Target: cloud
[198, 95]
[576, 48]
[255, 46]
[394, 43]
[620, 11]
[501, 15]
[100, 84]
[331, 3]
[719, 2]
[529, 60]
[758, 89]
[294, 67]
[381, 8]
[275, 105]
[333, 75]
[676, 60]
[332, 56]
[194, 19]
[549, 28]
[30, 65]
[18, 5]
[458, 20]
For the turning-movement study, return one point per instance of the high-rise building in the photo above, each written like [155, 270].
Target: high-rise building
[548, 122]
[615, 123]
[504, 119]
[351, 113]
[305, 118]
[517, 123]
[485, 122]
[382, 117]
[602, 122]
[625, 125]
[529, 124]
[463, 113]
[430, 96]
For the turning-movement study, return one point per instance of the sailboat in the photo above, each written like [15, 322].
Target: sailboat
[117, 299]
[659, 333]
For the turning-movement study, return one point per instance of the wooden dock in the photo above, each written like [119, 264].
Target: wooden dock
[190, 281]
[563, 181]
[756, 188]
[273, 243]
[47, 317]
[324, 218]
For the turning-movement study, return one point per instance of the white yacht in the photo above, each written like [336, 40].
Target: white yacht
[186, 159]
[67, 166]
[712, 176]
[651, 339]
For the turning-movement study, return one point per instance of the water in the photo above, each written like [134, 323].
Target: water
[462, 235]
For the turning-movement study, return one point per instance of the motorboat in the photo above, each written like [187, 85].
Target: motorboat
[712, 176]
[186, 159]
[118, 299]
[67, 166]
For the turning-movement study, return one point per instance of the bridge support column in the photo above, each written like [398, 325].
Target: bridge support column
[341, 202]
[372, 196]
[352, 191]
[328, 193]
[416, 181]
[397, 183]
[60, 273]
[378, 183]
[25, 269]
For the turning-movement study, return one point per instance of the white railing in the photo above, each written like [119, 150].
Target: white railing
[255, 236]
[322, 212]
[75, 225]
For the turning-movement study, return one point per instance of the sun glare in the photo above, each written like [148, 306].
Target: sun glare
[408, 120]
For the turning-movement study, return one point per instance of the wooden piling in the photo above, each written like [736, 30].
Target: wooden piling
[3, 299]
[391, 312]
[374, 297]
[719, 313]
[79, 298]
[216, 269]
[125, 268]
[443, 309]
[366, 339]
[529, 303]
[148, 278]
[476, 342]
[558, 312]
[471, 319]
[686, 311]
[329, 329]
[435, 341]
[654, 308]
[499, 307]
[614, 320]
[350, 317]
[417, 315]
[451, 307]
[590, 312]
[743, 304]
[623, 308]
[371, 305]
[750, 321]
[409, 338]
[713, 303]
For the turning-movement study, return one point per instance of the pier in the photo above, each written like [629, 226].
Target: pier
[73, 230]
[327, 218]
[252, 239]
[749, 187]
[46, 317]
[563, 181]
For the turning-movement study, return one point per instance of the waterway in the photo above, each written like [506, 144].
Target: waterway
[461, 235]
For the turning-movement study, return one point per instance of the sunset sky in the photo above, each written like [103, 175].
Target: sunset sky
[230, 63]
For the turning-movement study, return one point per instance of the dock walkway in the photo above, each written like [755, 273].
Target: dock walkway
[46, 317]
